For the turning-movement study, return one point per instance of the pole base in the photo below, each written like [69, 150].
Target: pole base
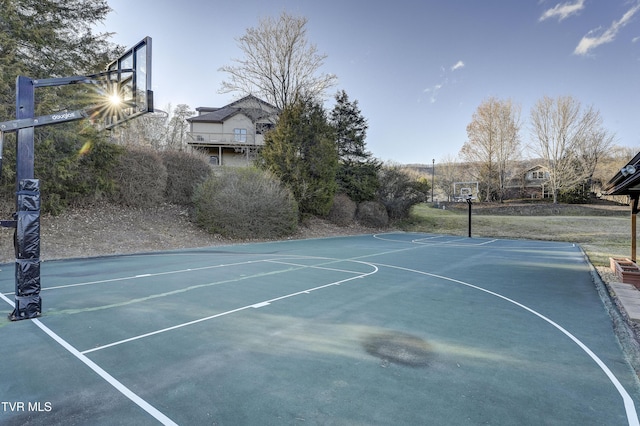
[27, 307]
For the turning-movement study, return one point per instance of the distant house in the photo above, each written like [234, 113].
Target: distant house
[532, 182]
[233, 134]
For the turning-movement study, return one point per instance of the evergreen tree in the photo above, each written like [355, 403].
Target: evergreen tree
[46, 39]
[50, 39]
[357, 174]
[301, 151]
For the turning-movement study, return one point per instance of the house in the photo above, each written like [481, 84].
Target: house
[531, 182]
[233, 134]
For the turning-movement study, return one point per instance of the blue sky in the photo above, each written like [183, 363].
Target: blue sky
[418, 69]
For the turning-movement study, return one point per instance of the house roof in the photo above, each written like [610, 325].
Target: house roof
[536, 167]
[253, 99]
[627, 180]
[219, 115]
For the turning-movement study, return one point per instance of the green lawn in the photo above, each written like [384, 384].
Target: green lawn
[600, 236]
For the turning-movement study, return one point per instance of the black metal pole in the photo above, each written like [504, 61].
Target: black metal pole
[27, 234]
[469, 203]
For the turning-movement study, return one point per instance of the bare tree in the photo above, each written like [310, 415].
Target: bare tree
[177, 131]
[280, 66]
[447, 173]
[494, 143]
[595, 147]
[569, 139]
[610, 164]
[148, 130]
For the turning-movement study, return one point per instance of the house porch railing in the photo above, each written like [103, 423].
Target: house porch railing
[230, 139]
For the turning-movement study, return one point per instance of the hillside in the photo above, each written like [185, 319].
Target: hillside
[108, 230]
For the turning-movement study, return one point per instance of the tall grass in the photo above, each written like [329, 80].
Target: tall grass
[601, 237]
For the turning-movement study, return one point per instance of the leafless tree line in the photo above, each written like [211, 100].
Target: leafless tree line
[569, 140]
[163, 130]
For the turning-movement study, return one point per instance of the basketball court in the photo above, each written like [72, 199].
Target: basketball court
[395, 328]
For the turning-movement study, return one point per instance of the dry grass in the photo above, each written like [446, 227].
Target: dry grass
[602, 232]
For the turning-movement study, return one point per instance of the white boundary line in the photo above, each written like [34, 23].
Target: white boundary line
[630, 409]
[154, 412]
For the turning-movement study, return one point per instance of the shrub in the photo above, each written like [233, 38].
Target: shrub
[96, 161]
[185, 171]
[343, 210]
[373, 214]
[245, 203]
[140, 177]
[399, 192]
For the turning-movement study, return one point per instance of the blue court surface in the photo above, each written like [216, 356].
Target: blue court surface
[388, 329]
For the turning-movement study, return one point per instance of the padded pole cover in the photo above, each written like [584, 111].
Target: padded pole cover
[27, 246]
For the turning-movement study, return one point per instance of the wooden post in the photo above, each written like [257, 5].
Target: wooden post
[634, 213]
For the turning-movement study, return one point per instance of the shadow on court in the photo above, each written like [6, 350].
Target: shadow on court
[384, 329]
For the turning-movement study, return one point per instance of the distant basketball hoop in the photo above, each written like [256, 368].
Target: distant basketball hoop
[464, 191]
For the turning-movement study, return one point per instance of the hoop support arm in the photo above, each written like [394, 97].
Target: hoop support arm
[78, 79]
[43, 120]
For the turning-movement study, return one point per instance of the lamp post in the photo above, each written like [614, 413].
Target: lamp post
[433, 171]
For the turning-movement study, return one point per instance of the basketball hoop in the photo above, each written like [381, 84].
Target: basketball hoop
[124, 92]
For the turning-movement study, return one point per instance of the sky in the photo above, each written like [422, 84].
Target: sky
[418, 69]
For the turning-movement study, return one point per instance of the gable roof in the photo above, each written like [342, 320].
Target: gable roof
[251, 98]
[536, 167]
[219, 115]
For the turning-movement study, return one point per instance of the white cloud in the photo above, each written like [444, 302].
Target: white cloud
[591, 41]
[563, 10]
[457, 66]
[444, 81]
[434, 92]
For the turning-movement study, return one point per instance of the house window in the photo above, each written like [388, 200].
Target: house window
[239, 135]
[538, 175]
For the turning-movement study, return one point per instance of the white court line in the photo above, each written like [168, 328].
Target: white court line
[630, 409]
[178, 271]
[467, 242]
[101, 372]
[221, 314]
[314, 266]
[433, 237]
[157, 274]
[428, 243]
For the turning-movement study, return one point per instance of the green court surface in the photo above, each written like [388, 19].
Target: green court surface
[397, 328]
